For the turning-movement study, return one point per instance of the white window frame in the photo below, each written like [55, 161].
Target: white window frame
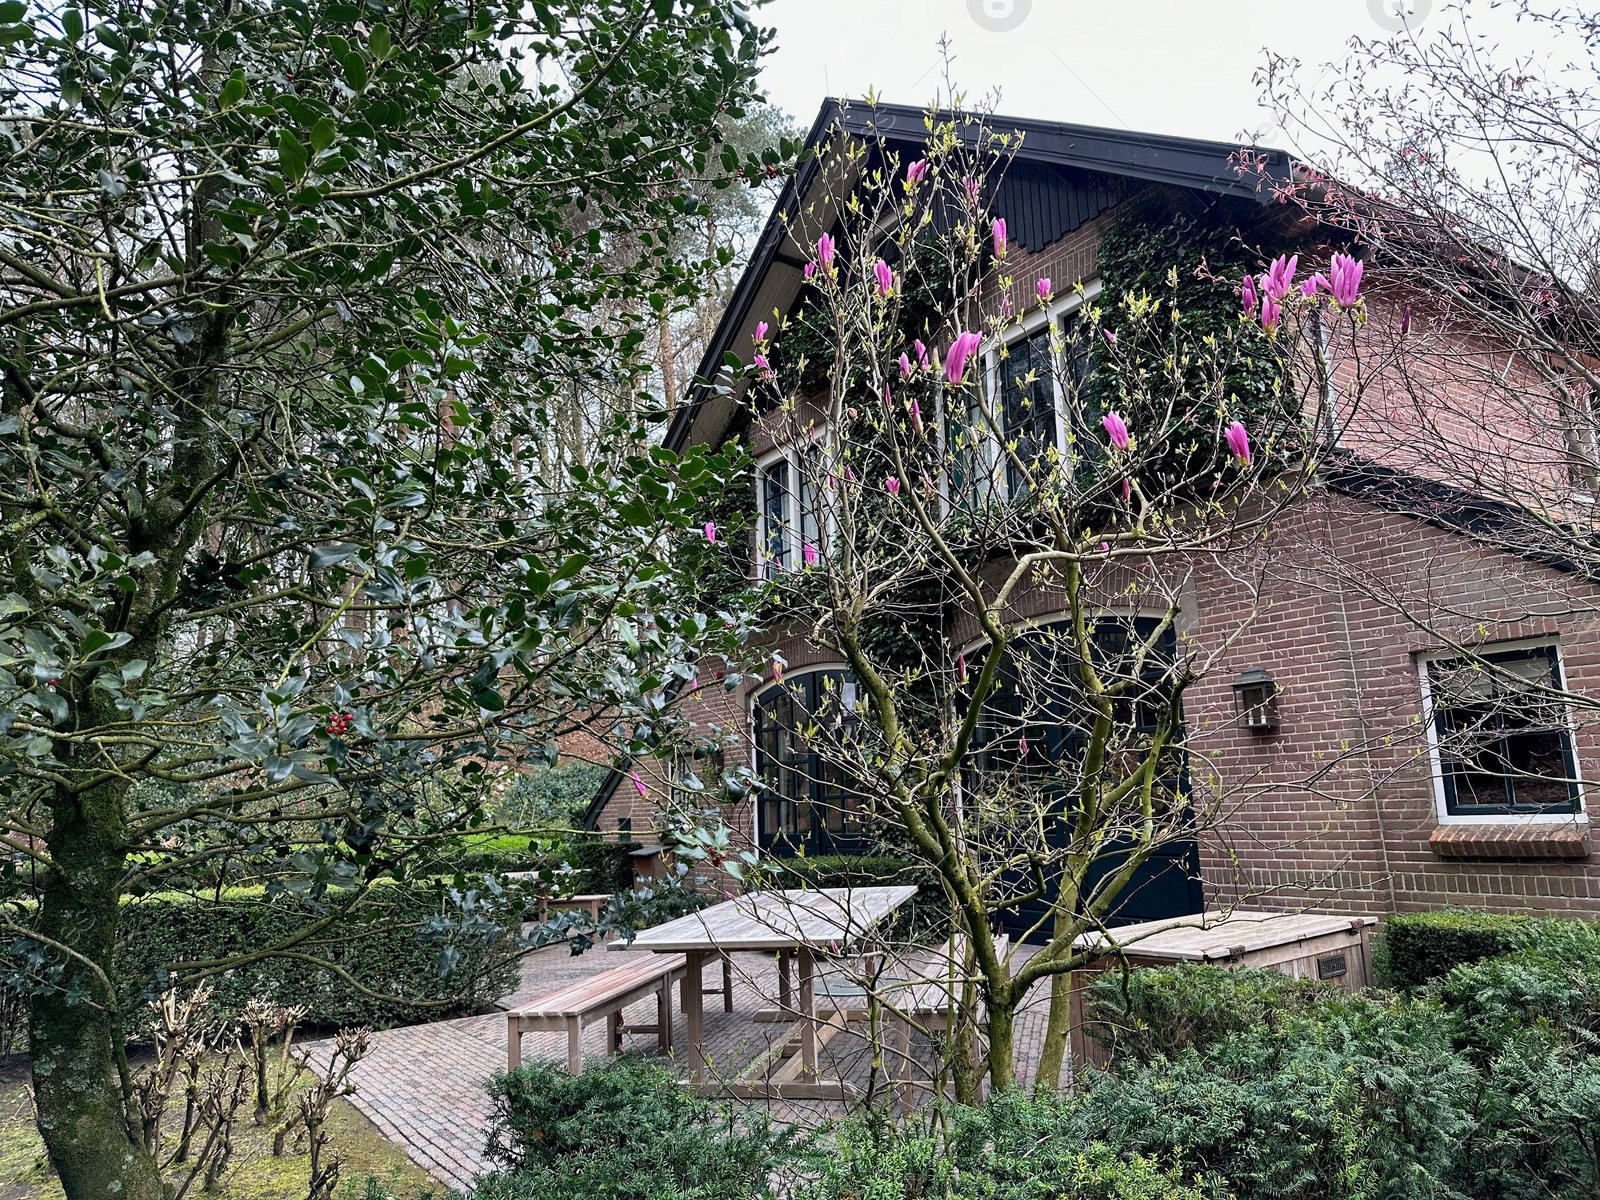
[1441, 809]
[794, 547]
[1030, 324]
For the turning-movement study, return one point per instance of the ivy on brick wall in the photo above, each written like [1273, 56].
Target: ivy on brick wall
[1188, 262]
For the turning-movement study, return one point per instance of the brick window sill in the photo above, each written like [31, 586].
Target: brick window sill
[1511, 840]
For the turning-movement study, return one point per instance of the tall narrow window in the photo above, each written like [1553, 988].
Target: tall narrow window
[1502, 734]
[775, 555]
[1027, 403]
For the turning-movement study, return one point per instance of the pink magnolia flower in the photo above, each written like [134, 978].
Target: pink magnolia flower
[810, 554]
[884, 276]
[850, 476]
[970, 186]
[1127, 487]
[638, 784]
[1111, 338]
[917, 171]
[761, 331]
[1405, 321]
[928, 486]
[999, 237]
[1104, 546]
[711, 532]
[905, 366]
[811, 270]
[955, 361]
[1314, 284]
[761, 361]
[961, 667]
[1270, 312]
[825, 249]
[1022, 745]
[777, 670]
[1116, 429]
[1043, 287]
[892, 485]
[916, 417]
[1280, 276]
[1005, 306]
[1344, 275]
[1247, 295]
[1239, 442]
[922, 353]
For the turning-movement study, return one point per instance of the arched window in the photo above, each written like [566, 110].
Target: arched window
[809, 805]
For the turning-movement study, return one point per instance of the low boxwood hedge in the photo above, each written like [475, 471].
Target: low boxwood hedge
[1414, 949]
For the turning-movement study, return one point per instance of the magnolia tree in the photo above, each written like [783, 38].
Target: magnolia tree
[287, 294]
[978, 447]
[1471, 171]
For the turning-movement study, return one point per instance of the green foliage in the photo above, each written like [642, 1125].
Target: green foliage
[543, 797]
[1163, 1011]
[992, 1154]
[390, 946]
[1189, 262]
[1413, 949]
[627, 1130]
[607, 866]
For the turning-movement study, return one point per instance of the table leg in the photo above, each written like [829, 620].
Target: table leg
[664, 1017]
[808, 1012]
[694, 1013]
[574, 1046]
[727, 984]
[785, 979]
[513, 1041]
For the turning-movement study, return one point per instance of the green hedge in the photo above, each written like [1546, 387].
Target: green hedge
[928, 914]
[377, 946]
[1163, 1011]
[1414, 949]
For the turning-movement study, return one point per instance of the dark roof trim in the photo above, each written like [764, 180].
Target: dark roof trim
[1492, 523]
[1153, 158]
[602, 797]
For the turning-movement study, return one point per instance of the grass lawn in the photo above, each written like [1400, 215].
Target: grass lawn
[255, 1174]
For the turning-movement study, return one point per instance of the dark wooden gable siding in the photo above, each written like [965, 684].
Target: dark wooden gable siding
[1041, 202]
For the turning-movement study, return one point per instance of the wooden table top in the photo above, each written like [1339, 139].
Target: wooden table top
[1213, 936]
[787, 919]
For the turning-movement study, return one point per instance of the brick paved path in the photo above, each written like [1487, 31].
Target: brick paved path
[422, 1085]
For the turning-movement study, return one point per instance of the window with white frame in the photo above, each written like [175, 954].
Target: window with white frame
[1032, 380]
[790, 518]
[1501, 734]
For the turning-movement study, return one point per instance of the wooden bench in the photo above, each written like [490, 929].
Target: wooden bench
[604, 995]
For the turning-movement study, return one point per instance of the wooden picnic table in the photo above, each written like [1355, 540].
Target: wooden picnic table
[804, 923]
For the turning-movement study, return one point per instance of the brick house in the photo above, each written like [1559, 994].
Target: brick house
[1349, 796]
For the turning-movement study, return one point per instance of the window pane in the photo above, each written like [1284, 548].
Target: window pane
[775, 516]
[1028, 404]
[805, 491]
[1503, 740]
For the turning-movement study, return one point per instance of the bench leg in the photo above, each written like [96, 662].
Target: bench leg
[513, 1041]
[808, 1013]
[614, 1034]
[664, 1017]
[727, 984]
[574, 1046]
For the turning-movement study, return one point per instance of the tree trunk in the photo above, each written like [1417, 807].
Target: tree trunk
[1056, 1032]
[74, 1028]
[1002, 1045]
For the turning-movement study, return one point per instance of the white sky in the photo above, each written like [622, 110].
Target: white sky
[1156, 66]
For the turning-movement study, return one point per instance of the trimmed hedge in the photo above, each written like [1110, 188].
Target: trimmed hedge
[377, 946]
[1414, 949]
[928, 914]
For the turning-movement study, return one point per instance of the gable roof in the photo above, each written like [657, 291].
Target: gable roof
[1088, 154]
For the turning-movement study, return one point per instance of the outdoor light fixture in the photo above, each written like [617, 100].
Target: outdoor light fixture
[1255, 700]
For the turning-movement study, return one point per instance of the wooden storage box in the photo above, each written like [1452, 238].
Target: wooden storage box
[1328, 947]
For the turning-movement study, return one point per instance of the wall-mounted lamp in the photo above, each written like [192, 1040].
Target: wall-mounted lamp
[1255, 700]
